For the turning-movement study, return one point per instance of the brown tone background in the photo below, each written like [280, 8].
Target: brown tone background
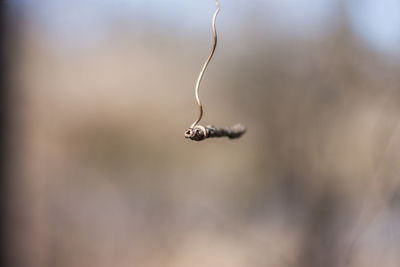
[102, 176]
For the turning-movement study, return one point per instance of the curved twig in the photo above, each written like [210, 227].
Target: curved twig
[205, 66]
[197, 132]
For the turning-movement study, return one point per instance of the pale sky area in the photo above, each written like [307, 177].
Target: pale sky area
[77, 22]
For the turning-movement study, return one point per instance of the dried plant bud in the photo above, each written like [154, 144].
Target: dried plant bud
[199, 133]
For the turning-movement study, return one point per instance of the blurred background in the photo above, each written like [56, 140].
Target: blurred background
[102, 91]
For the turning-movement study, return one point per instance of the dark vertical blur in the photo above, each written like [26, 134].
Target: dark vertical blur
[4, 131]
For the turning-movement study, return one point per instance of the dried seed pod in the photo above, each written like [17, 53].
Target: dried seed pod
[199, 133]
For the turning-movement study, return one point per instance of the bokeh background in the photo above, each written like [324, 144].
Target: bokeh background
[103, 91]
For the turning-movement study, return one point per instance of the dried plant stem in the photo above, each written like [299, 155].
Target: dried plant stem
[199, 133]
[205, 66]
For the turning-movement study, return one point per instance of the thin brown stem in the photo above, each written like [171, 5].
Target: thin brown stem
[201, 75]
